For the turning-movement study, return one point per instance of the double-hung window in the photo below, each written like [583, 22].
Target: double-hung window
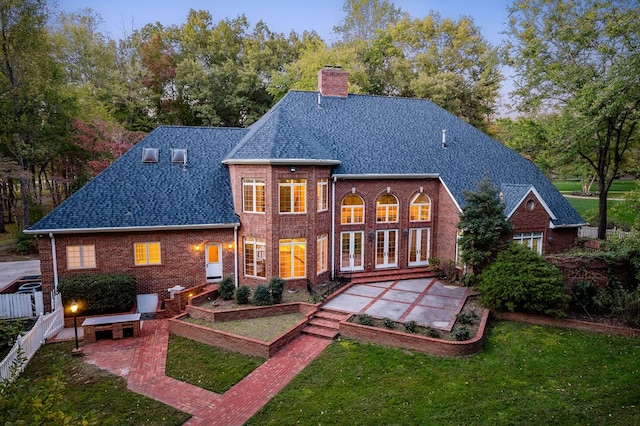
[254, 257]
[293, 195]
[323, 194]
[253, 198]
[147, 253]
[81, 257]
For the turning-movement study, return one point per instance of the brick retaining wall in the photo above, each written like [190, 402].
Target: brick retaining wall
[414, 342]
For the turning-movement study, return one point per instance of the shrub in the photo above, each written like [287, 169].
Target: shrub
[100, 294]
[276, 285]
[521, 280]
[242, 295]
[621, 303]
[462, 333]
[433, 333]
[262, 296]
[467, 318]
[226, 288]
[411, 326]
[25, 244]
[585, 296]
[365, 319]
[389, 323]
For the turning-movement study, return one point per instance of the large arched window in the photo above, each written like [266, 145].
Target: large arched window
[387, 209]
[352, 210]
[420, 208]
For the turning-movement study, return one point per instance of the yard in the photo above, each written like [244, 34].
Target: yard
[526, 374]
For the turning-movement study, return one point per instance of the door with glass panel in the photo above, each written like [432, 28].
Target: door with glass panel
[419, 240]
[352, 251]
[214, 262]
[386, 248]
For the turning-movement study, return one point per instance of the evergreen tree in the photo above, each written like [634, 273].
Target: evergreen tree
[483, 223]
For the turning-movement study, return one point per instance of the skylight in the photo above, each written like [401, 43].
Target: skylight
[179, 155]
[149, 155]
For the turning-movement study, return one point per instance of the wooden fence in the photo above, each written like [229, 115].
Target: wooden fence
[21, 305]
[592, 232]
[27, 345]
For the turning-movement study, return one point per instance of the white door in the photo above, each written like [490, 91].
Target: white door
[352, 251]
[386, 248]
[214, 262]
[419, 246]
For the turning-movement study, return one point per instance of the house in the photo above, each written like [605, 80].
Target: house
[324, 183]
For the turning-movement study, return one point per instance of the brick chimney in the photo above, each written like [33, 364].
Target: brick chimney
[333, 81]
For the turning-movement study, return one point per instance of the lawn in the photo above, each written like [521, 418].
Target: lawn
[264, 329]
[588, 208]
[525, 375]
[618, 186]
[89, 392]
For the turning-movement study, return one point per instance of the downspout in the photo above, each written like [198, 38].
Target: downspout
[235, 255]
[55, 261]
[333, 228]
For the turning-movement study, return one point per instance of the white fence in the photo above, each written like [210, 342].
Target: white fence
[21, 305]
[45, 327]
[592, 232]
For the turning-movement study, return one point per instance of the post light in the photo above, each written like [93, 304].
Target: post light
[74, 311]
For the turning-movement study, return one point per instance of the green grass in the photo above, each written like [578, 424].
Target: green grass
[207, 366]
[525, 375]
[95, 393]
[588, 208]
[264, 329]
[618, 186]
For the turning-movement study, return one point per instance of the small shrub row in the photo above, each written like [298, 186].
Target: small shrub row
[100, 294]
[263, 295]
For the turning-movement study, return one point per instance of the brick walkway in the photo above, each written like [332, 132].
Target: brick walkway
[142, 362]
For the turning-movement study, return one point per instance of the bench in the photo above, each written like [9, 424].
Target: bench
[114, 323]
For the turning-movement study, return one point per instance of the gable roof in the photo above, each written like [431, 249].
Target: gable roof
[377, 136]
[132, 195]
[514, 195]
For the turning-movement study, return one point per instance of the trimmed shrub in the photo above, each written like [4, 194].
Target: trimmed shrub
[521, 280]
[388, 323]
[100, 294]
[365, 319]
[462, 333]
[242, 295]
[227, 288]
[411, 326]
[276, 285]
[433, 333]
[262, 296]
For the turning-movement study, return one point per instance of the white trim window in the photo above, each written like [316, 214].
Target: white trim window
[255, 251]
[322, 250]
[323, 194]
[81, 257]
[147, 253]
[533, 240]
[352, 210]
[293, 260]
[420, 208]
[387, 209]
[293, 195]
[253, 198]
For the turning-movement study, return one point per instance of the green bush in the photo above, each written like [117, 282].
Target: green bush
[411, 326]
[276, 285]
[388, 323]
[462, 333]
[433, 333]
[242, 295]
[365, 319]
[521, 280]
[227, 288]
[25, 244]
[467, 318]
[621, 303]
[100, 294]
[262, 296]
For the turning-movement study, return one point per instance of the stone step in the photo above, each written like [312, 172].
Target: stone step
[331, 315]
[320, 322]
[320, 332]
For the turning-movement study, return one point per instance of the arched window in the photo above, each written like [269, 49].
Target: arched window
[420, 208]
[352, 210]
[387, 208]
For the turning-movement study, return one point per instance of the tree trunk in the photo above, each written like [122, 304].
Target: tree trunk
[602, 209]
[24, 189]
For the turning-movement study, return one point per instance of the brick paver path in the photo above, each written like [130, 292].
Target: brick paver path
[142, 362]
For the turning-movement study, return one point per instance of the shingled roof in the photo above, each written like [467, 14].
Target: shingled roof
[359, 135]
[134, 195]
[375, 135]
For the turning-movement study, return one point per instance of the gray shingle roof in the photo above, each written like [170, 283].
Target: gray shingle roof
[372, 135]
[359, 134]
[130, 193]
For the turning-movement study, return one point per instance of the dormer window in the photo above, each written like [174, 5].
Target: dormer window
[179, 155]
[149, 155]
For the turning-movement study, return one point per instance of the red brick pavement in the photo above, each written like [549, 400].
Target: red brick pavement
[142, 361]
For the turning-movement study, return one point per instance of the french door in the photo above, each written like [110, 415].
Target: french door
[419, 241]
[387, 248]
[352, 251]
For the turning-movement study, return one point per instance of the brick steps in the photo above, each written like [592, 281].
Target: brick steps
[325, 324]
[370, 277]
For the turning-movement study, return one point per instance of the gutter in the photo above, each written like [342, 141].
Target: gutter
[387, 176]
[235, 255]
[283, 161]
[333, 228]
[567, 226]
[131, 229]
